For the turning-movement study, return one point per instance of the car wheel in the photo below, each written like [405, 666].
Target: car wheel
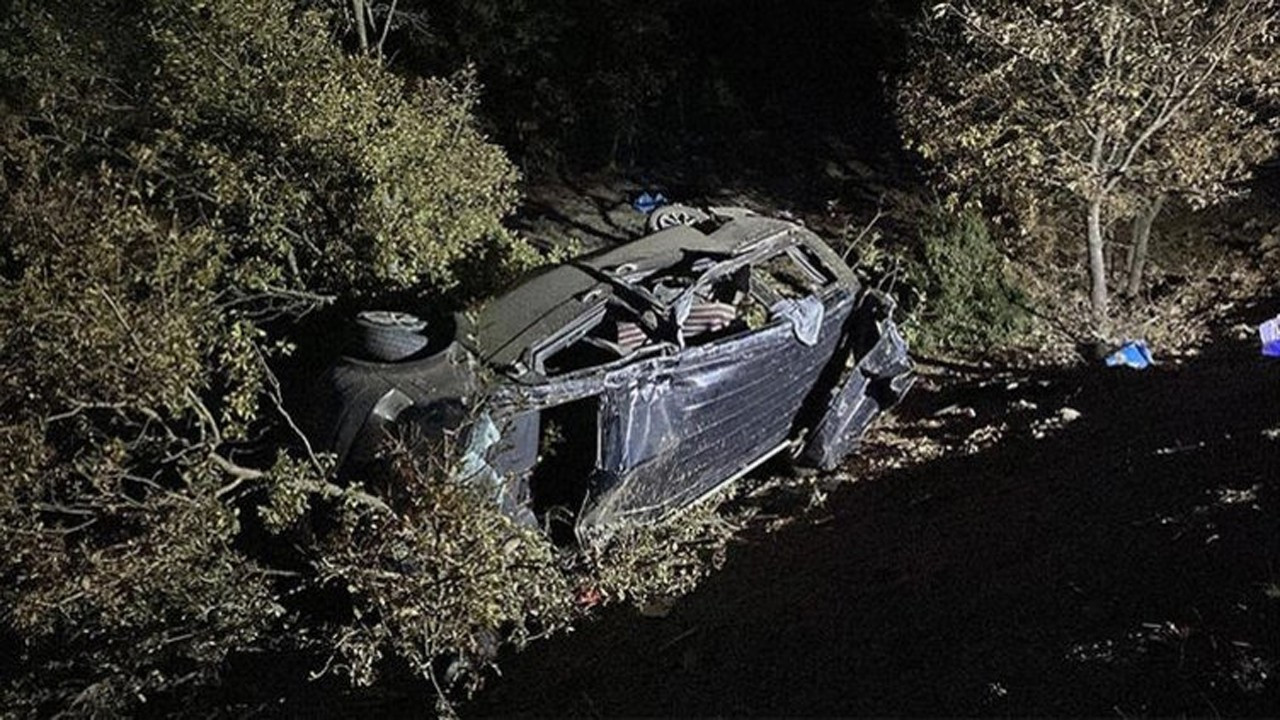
[389, 336]
[669, 216]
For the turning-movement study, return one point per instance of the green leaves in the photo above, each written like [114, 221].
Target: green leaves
[969, 301]
[181, 176]
[1050, 104]
[1012, 96]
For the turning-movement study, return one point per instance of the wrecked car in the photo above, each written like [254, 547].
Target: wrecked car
[629, 384]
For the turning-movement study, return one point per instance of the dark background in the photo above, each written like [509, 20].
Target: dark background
[580, 83]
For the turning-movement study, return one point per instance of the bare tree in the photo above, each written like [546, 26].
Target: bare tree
[1112, 105]
[375, 20]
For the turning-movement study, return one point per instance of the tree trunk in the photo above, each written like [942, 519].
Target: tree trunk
[358, 7]
[1141, 241]
[1097, 267]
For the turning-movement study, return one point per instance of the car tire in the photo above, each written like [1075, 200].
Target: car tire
[388, 336]
[669, 216]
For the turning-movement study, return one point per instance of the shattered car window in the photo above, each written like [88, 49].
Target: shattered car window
[792, 275]
[618, 333]
[625, 386]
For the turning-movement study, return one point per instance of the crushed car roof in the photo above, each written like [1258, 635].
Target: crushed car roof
[502, 329]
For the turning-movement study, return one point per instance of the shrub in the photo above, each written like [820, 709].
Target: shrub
[440, 575]
[182, 177]
[968, 300]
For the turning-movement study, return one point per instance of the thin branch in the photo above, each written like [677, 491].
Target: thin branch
[239, 472]
[386, 27]
[277, 399]
[209, 425]
[1171, 110]
[854, 243]
[78, 407]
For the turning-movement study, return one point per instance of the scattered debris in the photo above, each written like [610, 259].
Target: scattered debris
[1269, 332]
[1098, 651]
[1232, 496]
[1251, 673]
[1133, 354]
[1040, 429]
[647, 203]
[1174, 449]
[984, 437]
[956, 410]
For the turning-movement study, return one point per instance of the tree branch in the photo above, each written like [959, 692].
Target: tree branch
[386, 27]
[1170, 110]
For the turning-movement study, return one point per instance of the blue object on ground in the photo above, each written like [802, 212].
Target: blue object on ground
[1269, 331]
[647, 203]
[1133, 354]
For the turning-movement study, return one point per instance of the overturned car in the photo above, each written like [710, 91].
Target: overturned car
[627, 385]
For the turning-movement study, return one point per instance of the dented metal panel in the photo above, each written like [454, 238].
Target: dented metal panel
[878, 379]
[682, 407]
[675, 428]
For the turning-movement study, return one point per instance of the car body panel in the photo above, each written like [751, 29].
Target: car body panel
[358, 402]
[674, 428]
[676, 405]
[877, 381]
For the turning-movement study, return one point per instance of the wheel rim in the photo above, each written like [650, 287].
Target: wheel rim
[392, 319]
[671, 216]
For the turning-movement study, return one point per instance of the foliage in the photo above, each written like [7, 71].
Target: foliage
[1097, 105]
[317, 170]
[441, 577]
[968, 300]
[180, 178]
[656, 563]
[440, 574]
[953, 285]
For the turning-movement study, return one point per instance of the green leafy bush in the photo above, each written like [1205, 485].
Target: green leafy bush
[317, 170]
[181, 177]
[967, 299]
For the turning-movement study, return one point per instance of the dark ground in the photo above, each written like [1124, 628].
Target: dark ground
[1127, 563]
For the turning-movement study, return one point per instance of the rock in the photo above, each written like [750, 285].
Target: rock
[658, 607]
[1067, 414]
[956, 410]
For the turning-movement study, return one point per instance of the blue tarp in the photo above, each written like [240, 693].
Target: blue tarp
[1269, 332]
[647, 203]
[1133, 354]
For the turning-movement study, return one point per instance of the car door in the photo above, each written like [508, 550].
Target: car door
[675, 429]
